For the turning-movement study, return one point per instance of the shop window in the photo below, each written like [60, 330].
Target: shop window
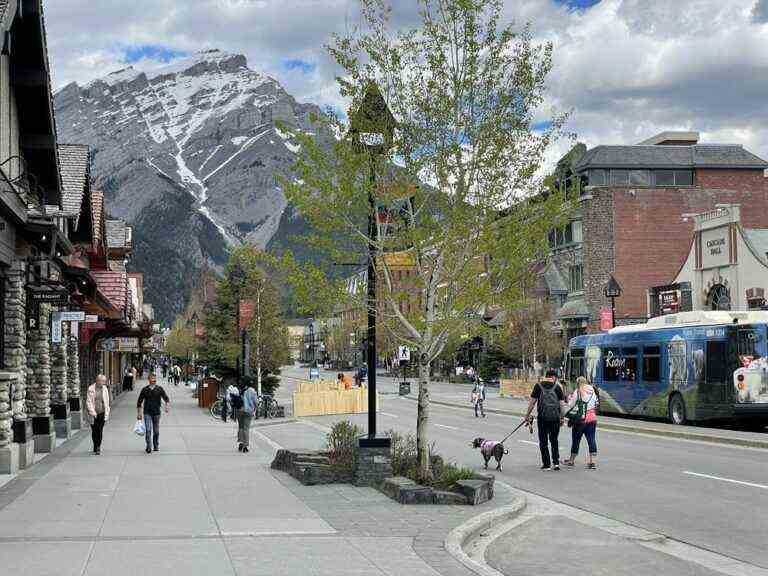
[651, 364]
[620, 177]
[576, 274]
[640, 177]
[598, 177]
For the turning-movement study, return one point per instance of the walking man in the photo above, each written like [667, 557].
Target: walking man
[151, 396]
[549, 398]
[97, 404]
[478, 397]
[233, 401]
[245, 416]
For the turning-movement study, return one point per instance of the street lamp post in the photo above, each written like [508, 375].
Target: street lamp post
[372, 129]
[612, 290]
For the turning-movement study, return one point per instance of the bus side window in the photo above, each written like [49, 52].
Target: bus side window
[629, 360]
[651, 364]
[716, 365]
[576, 364]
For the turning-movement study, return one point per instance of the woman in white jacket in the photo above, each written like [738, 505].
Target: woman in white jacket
[97, 404]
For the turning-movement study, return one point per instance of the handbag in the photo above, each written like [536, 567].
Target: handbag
[138, 428]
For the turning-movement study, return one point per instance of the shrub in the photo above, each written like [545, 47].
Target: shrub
[341, 444]
[403, 453]
[451, 475]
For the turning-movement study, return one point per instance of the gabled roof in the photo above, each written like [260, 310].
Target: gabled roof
[758, 239]
[116, 234]
[73, 162]
[655, 156]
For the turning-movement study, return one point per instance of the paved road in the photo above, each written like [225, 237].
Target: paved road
[711, 496]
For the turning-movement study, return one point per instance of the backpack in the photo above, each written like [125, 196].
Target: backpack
[236, 401]
[549, 403]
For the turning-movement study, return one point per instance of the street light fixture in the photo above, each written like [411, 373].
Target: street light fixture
[372, 129]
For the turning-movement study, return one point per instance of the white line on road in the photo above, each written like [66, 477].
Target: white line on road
[272, 444]
[388, 414]
[315, 425]
[448, 427]
[721, 479]
[528, 442]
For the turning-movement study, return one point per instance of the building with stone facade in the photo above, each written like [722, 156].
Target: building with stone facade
[51, 247]
[634, 221]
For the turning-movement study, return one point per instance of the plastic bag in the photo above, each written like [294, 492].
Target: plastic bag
[138, 428]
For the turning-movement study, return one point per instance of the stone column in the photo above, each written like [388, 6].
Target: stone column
[374, 461]
[9, 451]
[16, 360]
[39, 382]
[59, 385]
[73, 381]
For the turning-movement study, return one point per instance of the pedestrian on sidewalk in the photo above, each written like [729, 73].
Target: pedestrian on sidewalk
[245, 416]
[478, 397]
[232, 401]
[97, 404]
[587, 426]
[152, 396]
[549, 399]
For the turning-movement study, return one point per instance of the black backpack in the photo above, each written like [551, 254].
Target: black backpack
[236, 401]
[549, 403]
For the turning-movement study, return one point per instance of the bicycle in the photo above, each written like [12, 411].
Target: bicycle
[216, 409]
[267, 406]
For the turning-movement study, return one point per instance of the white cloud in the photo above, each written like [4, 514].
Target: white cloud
[626, 68]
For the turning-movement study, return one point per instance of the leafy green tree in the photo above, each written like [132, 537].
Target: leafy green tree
[244, 279]
[181, 340]
[453, 187]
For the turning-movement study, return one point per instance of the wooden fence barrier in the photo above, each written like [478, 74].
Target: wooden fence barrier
[331, 401]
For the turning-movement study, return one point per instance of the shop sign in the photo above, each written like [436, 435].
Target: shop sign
[128, 344]
[107, 345]
[55, 297]
[72, 316]
[669, 302]
[606, 319]
[715, 249]
[56, 332]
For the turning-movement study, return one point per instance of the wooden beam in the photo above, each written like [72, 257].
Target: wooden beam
[29, 77]
[38, 141]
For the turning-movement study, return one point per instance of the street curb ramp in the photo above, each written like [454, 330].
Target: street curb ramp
[461, 535]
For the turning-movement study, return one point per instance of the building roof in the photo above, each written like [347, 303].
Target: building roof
[554, 279]
[657, 156]
[114, 285]
[73, 162]
[117, 234]
[97, 213]
[576, 308]
[758, 239]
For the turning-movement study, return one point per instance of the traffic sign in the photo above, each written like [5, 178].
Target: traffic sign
[403, 354]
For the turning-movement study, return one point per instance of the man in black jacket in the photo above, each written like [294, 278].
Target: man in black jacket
[549, 398]
[152, 396]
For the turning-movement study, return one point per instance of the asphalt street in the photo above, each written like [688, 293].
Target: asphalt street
[710, 496]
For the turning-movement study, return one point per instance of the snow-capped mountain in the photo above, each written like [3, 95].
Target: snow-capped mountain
[189, 154]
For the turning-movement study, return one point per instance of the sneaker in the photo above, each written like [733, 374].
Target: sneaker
[240, 447]
[156, 449]
[148, 450]
[245, 448]
[557, 467]
[545, 468]
[98, 451]
[591, 466]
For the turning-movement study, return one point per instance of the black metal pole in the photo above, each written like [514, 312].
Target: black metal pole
[613, 312]
[371, 307]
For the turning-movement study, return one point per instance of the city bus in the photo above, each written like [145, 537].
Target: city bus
[687, 367]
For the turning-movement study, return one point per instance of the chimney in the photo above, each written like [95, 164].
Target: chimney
[672, 138]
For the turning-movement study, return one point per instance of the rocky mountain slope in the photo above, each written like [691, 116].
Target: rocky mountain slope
[189, 155]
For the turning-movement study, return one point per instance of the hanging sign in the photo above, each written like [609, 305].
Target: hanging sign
[72, 316]
[56, 331]
[91, 318]
[606, 319]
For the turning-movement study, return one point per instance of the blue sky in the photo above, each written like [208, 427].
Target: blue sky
[298, 64]
[151, 52]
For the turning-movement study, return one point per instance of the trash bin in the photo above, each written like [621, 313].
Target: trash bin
[405, 388]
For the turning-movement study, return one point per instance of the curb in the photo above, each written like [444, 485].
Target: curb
[459, 536]
[680, 434]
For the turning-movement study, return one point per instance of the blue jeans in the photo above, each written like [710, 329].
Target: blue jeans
[152, 430]
[588, 430]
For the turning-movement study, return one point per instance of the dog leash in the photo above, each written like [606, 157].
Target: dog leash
[515, 430]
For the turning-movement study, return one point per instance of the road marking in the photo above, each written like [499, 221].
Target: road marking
[315, 425]
[731, 480]
[447, 427]
[271, 443]
[388, 414]
[528, 442]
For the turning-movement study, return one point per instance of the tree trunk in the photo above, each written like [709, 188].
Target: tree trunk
[422, 441]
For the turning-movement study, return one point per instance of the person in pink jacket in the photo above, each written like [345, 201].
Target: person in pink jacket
[97, 404]
[588, 425]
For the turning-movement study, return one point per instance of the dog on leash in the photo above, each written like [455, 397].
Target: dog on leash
[490, 449]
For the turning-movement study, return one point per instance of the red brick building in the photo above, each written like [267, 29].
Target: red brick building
[635, 219]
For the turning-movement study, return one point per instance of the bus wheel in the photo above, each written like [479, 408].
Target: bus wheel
[677, 410]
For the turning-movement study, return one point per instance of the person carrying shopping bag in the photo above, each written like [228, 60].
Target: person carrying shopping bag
[582, 418]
